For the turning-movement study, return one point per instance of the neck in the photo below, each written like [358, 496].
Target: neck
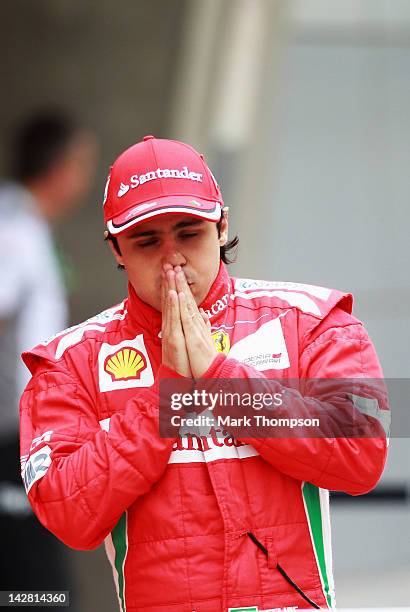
[45, 200]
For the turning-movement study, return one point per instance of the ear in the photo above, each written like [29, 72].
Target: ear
[114, 251]
[223, 238]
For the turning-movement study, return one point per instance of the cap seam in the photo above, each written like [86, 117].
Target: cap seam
[211, 185]
[156, 163]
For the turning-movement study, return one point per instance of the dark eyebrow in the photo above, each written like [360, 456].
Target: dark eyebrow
[142, 234]
[192, 223]
[180, 225]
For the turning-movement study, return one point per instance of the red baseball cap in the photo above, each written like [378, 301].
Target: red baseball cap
[156, 177]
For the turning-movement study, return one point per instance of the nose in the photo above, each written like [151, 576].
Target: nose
[171, 254]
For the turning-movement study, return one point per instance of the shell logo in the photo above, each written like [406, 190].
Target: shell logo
[125, 364]
[221, 341]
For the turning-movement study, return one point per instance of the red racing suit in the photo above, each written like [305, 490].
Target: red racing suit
[175, 513]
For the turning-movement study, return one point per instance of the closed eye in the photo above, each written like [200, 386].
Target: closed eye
[154, 241]
[147, 243]
[188, 235]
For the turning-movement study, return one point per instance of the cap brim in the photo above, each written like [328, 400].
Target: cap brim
[196, 207]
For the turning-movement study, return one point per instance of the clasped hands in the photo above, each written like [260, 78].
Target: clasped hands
[187, 345]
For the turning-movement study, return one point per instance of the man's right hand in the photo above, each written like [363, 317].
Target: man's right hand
[174, 351]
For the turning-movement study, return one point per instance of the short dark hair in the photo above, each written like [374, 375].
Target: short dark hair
[225, 251]
[39, 141]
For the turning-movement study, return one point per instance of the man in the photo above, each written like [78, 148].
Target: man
[200, 523]
[51, 166]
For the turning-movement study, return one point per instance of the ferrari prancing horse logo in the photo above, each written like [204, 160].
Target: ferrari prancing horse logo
[221, 341]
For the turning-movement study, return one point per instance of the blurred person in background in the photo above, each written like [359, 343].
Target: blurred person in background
[52, 162]
[195, 522]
